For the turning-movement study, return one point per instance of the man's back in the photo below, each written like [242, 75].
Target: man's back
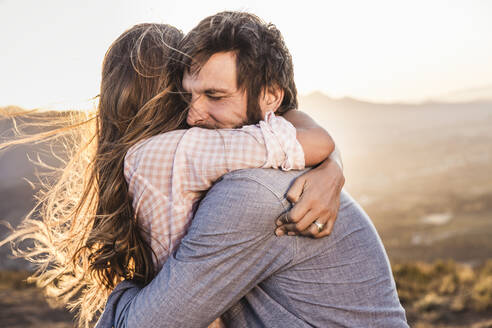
[230, 263]
[341, 280]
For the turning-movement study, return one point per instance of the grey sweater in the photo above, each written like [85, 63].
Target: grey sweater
[231, 264]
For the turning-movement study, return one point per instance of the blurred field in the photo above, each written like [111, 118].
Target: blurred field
[441, 294]
[422, 172]
[445, 294]
[23, 305]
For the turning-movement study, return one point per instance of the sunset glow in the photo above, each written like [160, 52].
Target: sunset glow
[379, 51]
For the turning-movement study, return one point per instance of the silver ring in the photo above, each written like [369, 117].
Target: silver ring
[319, 225]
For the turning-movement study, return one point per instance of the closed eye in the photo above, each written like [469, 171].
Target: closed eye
[213, 97]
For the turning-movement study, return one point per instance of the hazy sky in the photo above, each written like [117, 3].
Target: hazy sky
[51, 51]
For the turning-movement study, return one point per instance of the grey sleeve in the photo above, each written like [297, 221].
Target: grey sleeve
[229, 249]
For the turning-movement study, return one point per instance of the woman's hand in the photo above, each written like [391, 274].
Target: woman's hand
[316, 198]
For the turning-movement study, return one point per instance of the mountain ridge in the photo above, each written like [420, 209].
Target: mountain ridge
[321, 96]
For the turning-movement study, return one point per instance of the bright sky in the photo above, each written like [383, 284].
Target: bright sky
[52, 50]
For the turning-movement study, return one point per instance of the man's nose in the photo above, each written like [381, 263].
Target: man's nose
[196, 111]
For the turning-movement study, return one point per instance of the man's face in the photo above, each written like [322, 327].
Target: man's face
[216, 101]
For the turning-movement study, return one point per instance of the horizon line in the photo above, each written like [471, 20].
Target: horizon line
[91, 103]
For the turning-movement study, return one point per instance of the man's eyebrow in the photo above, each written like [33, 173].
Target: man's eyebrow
[216, 90]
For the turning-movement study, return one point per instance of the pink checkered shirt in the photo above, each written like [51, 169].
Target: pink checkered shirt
[168, 174]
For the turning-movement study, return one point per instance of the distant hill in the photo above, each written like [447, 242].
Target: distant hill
[458, 97]
[10, 110]
[350, 119]
[478, 94]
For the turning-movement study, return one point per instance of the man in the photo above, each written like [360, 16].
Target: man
[230, 264]
[235, 72]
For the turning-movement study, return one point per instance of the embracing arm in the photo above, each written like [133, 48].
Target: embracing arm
[316, 194]
[316, 142]
[209, 154]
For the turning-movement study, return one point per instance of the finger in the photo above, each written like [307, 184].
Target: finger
[282, 219]
[299, 210]
[330, 221]
[307, 220]
[296, 190]
[315, 230]
[327, 230]
[279, 232]
[306, 233]
[311, 231]
[286, 229]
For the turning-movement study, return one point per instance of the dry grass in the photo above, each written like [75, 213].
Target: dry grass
[439, 294]
[445, 293]
[23, 305]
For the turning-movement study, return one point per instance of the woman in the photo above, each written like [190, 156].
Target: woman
[88, 239]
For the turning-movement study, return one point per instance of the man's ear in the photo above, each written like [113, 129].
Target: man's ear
[271, 99]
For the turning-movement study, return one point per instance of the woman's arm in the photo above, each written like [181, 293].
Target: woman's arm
[315, 141]
[209, 154]
[316, 194]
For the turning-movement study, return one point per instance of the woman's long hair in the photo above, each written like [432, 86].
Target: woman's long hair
[87, 239]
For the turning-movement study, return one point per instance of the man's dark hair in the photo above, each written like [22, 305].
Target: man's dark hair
[262, 59]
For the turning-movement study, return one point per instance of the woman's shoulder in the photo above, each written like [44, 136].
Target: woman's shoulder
[155, 147]
[155, 142]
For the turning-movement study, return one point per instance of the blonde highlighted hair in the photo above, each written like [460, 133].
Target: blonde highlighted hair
[87, 239]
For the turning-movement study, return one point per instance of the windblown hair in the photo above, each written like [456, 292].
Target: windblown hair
[262, 58]
[88, 239]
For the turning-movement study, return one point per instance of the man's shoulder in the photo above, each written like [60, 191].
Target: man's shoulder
[272, 180]
[255, 196]
[244, 200]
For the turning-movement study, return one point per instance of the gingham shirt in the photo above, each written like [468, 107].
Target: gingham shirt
[168, 174]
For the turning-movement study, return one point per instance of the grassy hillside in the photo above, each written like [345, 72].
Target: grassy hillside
[445, 293]
[440, 294]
